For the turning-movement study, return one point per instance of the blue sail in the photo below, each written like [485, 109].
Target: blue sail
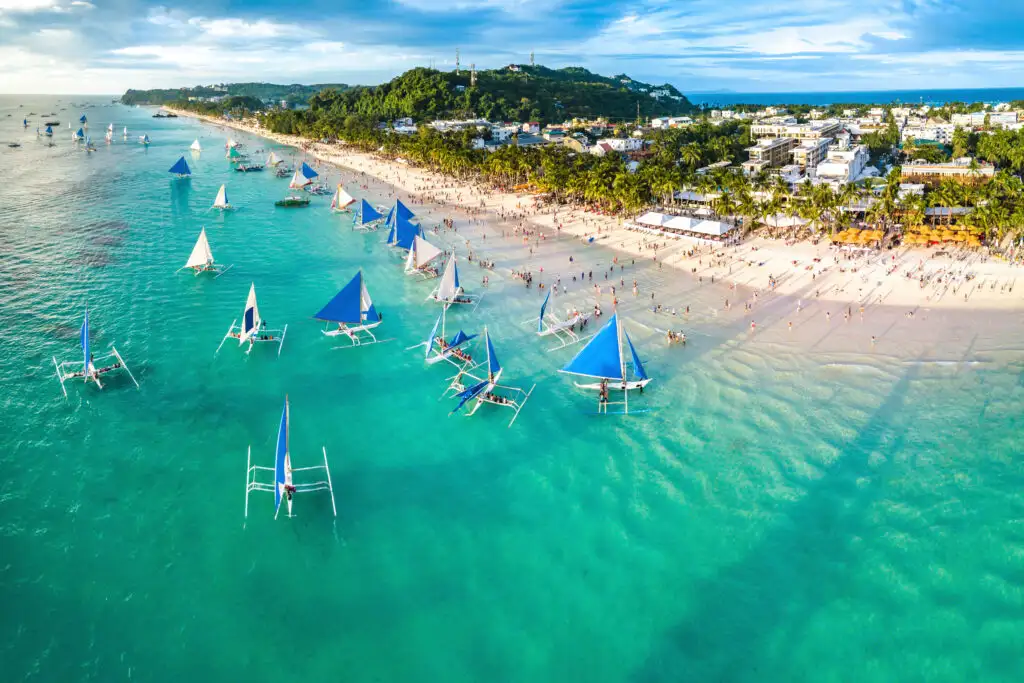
[602, 357]
[543, 309]
[344, 307]
[307, 172]
[180, 167]
[493, 366]
[404, 232]
[399, 210]
[368, 214]
[638, 367]
[455, 268]
[85, 340]
[49, 130]
[433, 334]
[83, 119]
[281, 457]
[470, 393]
[80, 133]
[391, 236]
[371, 315]
[459, 339]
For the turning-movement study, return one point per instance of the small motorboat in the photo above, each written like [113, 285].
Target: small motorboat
[292, 201]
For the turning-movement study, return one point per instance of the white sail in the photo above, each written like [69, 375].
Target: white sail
[425, 252]
[341, 199]
[221, 202]
[230, 143]
[448, 289]
[272, 160]
[250, 317]
[299, 180]
[201, 254]
[196, 147]
[110, 128]
[365, 303]
[126, 131]
[410, 261]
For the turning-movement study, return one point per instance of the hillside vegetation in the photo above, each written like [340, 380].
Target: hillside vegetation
[294, 93]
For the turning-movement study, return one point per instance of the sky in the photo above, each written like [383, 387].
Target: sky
[107, 46]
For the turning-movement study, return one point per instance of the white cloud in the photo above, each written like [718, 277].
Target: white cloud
[240, 28]
[26, 5]
[83, 4]
[508, 6]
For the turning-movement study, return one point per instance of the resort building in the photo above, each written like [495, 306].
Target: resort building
[809, 153]
[843, 164]
[704, 170]
[959, 170]
[622, 144]
[768, 153]
[937, 132]
[798, 131]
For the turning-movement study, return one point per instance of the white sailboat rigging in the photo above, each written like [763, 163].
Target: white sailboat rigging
[201, 258]
[419, 258]
[341, 200]
[221, 201]
[195, 146]
[449, 290]
[253, 328]
[354, 314]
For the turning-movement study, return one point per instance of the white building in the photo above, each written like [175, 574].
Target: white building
[843, 165]
[938, 132]
[969, 120]
[622, 144]
[809, 153]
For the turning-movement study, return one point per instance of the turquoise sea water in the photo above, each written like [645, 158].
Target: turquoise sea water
[795, 507]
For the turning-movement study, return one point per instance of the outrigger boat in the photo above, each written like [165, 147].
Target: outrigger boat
[89, 147]
[273, 160]
[341, 200]
[440, 349]
[562, 330]
[485, 389]
[303, 176]
[353, 312]
[195, 146]
[201, 258]
[78, 135]
[248, 168]
[230, 144]
[420, 256]
[403, 232]
[234, 155]
[126, 132]
[144, 139]
[49, 131]
[366, 218]
[180, 168]
[283, 485]
[602, 358]
[84, 121]
[86, 369]
[221, 202]
[399, 210]
[253, 329]
[449, 290]
[292, 201]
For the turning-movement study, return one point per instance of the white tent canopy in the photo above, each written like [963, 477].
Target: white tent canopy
[684, 224]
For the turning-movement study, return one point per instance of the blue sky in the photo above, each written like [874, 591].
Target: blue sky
[106, 46]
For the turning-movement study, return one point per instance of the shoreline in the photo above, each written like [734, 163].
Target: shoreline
[909, 278]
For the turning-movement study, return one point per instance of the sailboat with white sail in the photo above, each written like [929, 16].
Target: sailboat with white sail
[449, 290]
[221, 201]
[341, 200]
[195, 146]
[253, 328]
[282, 483]
[201, 258]
[353, 313]
[420, 256]
[603, 359]
[273, 160]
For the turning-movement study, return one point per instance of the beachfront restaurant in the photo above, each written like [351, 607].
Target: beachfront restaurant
[682, 226]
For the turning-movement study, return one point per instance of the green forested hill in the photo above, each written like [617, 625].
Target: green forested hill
[533, 93]
[294, 93]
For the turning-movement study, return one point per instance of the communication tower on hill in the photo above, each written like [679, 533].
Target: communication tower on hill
[456, 61]
[472, 75]
[531, 58]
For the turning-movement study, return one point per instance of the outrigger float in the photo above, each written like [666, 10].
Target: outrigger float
[253, 329]
[353, 312]
[449, 290]
[602, 359]
[201, 259]
[562, 330]
[420, 256]
[480, 389]
[283, 484]
[86, 369]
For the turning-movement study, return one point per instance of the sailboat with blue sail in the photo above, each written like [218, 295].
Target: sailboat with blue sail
[399, 210]
[563, 330]
[78, 135]
[353, 312]
[144, 139]
[180, 168]
[253, 328]
[84, 121]
[437, 347]
[221, 200]
[403, 232]
[86, 369]
[366, 217]
[603, 359]
[484, 387]
[49, 131]
[281, 480]
[304, 175]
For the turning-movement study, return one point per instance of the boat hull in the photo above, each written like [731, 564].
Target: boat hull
[616, 386]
